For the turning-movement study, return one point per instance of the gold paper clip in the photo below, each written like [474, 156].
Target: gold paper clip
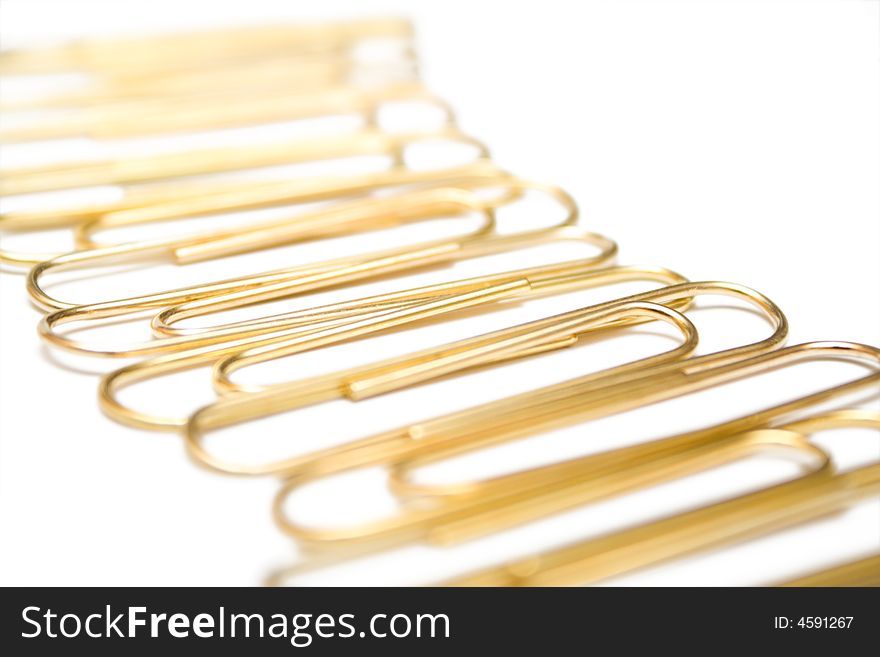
[176, 200]
[482, 245]
[674, 296]
[422, 366]
[861, 572]
[571, 405]
[321, 66]
[724, 450]
[197, 114]
[168, 201]
[361, 318]
[378, 378]
[307, 73]
[541, 280]
[122, 58]
[477, 175]
[777, 507]
[465, 510]
[344, 218]
[204, 161]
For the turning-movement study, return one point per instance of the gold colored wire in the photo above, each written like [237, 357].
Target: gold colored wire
[425, 365]
[753, 514]
[132, 57]
[196, 114]
[861, 572]
[165, 166]
[341, 219]
[679, 293]
[465, 510]
[307, 72]
[542, 279]
[484, 244]
[362, 318]
[170, 201]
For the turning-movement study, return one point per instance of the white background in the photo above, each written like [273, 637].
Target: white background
[728, 141]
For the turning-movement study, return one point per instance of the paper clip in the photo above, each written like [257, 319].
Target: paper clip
[674, 295]
[167, 201]
[861, 572]
[204, 161]
[197, 114]
[570, 406]
[372, 318]
[426, 365]
[175, 200]
[439, 253]
[321, 66]
[465, 510]
[777, 507]
[478, 175]
[378, 378]
[304, 72]
[156, 54]
[562, 275]
[723, 451]
[341, 218]
[344, 218]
